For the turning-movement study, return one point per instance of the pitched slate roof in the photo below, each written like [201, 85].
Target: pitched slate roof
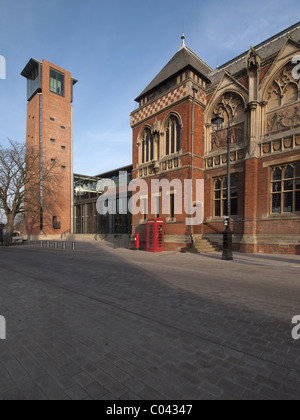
[182, 59]
[265, 50]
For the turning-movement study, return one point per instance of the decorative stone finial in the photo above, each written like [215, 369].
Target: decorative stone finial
[182, 41]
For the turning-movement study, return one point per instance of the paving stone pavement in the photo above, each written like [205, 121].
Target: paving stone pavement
[99, 323]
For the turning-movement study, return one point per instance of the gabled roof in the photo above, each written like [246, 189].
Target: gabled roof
[265, 50]
[182, 59]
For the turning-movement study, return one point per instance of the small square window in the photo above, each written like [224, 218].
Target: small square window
[52, 119]
[52, 140]
[62, 127]
[63, 168]
[53, 161]
[63, 147]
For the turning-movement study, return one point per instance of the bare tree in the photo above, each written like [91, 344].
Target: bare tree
[21, 176]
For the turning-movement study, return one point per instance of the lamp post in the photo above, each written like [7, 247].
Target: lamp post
[217, 123]
[195, 91]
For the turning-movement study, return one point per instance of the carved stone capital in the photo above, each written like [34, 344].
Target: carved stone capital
[252, 106]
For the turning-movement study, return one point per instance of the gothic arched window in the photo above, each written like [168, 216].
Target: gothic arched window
[173, 136]
[147, 146]
[285, 189]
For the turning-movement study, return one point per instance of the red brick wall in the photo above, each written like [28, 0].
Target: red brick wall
[184, 110]
[32, 219]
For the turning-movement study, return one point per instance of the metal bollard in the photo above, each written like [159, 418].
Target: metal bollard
[55, 245]
[41, 244]
[64, 245]
[48, 244]
[73, 246]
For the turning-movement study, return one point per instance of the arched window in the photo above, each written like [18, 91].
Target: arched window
[173, 136]
[147, 146]
[285, 189]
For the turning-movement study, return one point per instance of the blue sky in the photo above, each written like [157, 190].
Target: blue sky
[115, 48]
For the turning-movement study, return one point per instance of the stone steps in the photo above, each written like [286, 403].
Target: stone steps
[203, 246]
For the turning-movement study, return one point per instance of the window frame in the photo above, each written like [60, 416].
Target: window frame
[282, 191]
[58, 73]
[147, 145]
[173, 136]
[223, 196]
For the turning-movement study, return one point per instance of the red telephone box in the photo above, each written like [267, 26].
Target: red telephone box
[155, 235]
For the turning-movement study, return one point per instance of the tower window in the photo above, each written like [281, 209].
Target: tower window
[57, 82]
[53, 161]
[62, 127]
[173, 136]
[52, 119]
[147, 146]
[63, 147]
[52, 140]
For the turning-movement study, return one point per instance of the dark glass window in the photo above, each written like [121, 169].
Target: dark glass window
[147, 146]
[57, 82]
[33, 81]
[173, 136]
[285, 189]
[172, 206]
[220, 196]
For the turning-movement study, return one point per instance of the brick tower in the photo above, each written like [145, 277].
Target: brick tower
[49, 130]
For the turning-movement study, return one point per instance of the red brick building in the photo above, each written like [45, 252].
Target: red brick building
[260, 91]
[49, 130]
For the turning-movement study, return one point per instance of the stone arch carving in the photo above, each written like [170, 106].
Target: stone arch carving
[140, 135]
[170, 114]
[282, 88]
[282, 97]
[235, 105]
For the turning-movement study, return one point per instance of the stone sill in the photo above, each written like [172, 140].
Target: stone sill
[288, 216]
[171, 220]
[222, 219]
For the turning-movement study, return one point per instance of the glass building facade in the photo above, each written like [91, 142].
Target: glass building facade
[86, 218]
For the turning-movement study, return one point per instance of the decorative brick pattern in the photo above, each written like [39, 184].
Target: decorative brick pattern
[159, 105]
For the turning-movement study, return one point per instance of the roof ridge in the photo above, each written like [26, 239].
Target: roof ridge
[183, 58]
